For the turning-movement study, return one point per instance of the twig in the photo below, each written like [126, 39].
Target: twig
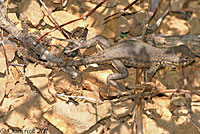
[133, 118]
[123, 14]
[158, 91]
[153, 7]
[123, 10]
[139, 119]
[98, 124]
[195, 120]
[12, 64]
[94, 9]
[153, 28]
[64, 2]
[77, 97]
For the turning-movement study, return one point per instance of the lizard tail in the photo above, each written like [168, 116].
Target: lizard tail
[86, 61]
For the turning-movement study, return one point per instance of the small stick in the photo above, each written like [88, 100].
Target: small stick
[123, 10]
[94, 9]
[153, 7]
[12, 64]
[138, 75]
[123, 14]
[71, 96]
[139, 120]
[133, 118]
[64, 2]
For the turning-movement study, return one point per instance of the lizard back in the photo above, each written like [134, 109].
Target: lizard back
[131, 52]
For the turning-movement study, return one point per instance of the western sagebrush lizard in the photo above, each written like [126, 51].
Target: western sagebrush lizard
[133, 53]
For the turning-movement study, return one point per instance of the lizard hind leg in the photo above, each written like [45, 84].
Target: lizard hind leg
[117, 76]
[152, 70]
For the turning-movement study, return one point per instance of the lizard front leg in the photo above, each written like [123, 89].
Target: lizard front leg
[116, 76]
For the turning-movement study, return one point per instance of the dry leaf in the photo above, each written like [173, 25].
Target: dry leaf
[38, 75]
[63, 123]
[15, 72]
[16, 118]
[2, 89]
[174, 26]
[98, 77]
[70, 118]
[3, 126]
[63, 83]
[13, 18]
[31, 11]
[10, 83]
[21, 89]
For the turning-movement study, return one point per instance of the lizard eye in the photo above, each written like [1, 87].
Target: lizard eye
[184, 59]
[82, 40]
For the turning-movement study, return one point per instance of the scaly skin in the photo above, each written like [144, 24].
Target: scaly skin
[138, 54]
[133, 53]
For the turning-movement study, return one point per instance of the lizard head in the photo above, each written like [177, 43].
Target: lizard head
[182, 55]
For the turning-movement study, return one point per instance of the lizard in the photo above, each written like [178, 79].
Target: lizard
[133, 53]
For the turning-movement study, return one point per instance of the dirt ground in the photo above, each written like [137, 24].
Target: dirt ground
[35, 99]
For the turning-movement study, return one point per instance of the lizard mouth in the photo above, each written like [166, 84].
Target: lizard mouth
[183, 62]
